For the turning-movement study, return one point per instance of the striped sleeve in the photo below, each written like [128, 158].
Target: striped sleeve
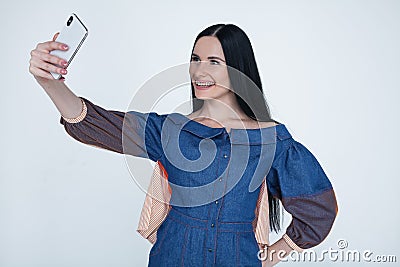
[156, 204]
[261, 220]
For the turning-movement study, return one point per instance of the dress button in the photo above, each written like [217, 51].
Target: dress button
[212, 225]
[225, 155]
[220, 179]
[216, 201]
[210, 250]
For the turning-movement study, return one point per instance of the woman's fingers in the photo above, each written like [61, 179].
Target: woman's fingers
[42, 62]
[55, 36]
[40, 73]
[51, 45]
[46, 57]
[43, 65]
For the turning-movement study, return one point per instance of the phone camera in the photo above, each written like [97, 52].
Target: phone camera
[70, 20]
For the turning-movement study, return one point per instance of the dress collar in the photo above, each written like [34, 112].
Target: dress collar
[266, 135]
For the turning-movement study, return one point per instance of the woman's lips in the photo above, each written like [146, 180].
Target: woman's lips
[203, 86]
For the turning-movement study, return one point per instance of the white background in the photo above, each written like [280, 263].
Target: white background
[330, 71]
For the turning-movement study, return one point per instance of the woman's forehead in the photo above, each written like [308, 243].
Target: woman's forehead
[208, 46]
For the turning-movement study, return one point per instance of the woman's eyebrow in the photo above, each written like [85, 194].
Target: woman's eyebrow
[211, 57]
[214, 57]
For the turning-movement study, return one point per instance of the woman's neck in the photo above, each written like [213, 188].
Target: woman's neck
[221, 110]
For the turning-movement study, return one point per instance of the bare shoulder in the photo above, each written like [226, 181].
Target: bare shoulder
[262, 124]
[268, 123]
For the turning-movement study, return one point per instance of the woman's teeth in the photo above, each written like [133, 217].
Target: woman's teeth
[204, 84]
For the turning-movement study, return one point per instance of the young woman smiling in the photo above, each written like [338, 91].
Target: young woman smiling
[231, 125]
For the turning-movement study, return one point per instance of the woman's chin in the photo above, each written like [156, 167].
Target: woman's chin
[203, 95]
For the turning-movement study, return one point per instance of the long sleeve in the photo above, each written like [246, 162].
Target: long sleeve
[299, 181]
[156, 204]
[261, 220]
[134, 133]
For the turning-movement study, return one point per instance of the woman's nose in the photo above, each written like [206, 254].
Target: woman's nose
[198, 69]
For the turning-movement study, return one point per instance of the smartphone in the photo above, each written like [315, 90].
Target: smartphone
[73, 33]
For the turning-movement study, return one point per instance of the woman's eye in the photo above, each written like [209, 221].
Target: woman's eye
[195, 59]
[214, 62]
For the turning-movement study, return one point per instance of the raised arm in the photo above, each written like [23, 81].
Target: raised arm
[41, 64]
[133, 132]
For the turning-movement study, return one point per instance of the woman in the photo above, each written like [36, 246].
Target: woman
[227, 146]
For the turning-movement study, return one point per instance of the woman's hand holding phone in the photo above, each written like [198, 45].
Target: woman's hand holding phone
[42, 62]
[50, 59]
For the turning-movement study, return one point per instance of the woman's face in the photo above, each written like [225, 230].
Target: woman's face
[208, 70]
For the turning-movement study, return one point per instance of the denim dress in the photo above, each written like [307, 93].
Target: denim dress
[215, 178]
